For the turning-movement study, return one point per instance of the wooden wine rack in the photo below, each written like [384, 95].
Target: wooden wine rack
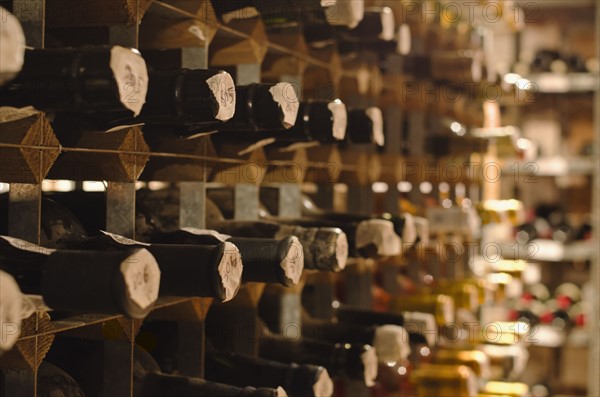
[31, 152]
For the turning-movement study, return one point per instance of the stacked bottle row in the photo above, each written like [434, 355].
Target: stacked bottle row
[400, 348]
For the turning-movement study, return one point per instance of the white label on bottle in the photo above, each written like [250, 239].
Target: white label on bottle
[123, 240]
[223, 89]
[287, 99]
[340, 118]
[142, 278]
[380, 233]
[342, 248]
[344, 13]
[12, 47]
[388, 24]
[376, 117]
[230, 269]
[293, 263]
[131, 74]
[370, 364]
[10, 311]
[404, 40]
[391, 343]
[27, 246]
[207, 232]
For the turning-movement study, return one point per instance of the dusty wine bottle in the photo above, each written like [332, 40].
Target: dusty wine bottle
[358, 362]
[148, 381]
[265, 260]
[421, 327]
[89, 79]
[390, 341]
[298, 380]
[125, 281]
[323, 248]
[186, 270]
[366, 238]
[263, 107]
[200, 98]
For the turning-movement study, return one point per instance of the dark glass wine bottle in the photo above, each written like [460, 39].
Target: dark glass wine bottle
[186, 269]
[325, 248]
[88, 79]
[263, 107]
[390, 341]
[265, 259]
[125, 281]
[199, 99]
[365, 126]
[323, 122]
[298, 380]
[358, 362]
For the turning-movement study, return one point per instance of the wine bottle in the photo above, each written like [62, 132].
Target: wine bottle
[421, 327]
[389, 341]
[377, 23]
[369, 238]
[404, 225]
[265, 259]
[298, 380]
[148, 381]
[358, 362]
[365, 126]
[82, 357]
[323, 122]
[263, 107]
[11, 308]
[13, 46]
[324, 248]
[89, 80]
[200, 99]
[125, 281]
[51, 382]
[186, 270]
